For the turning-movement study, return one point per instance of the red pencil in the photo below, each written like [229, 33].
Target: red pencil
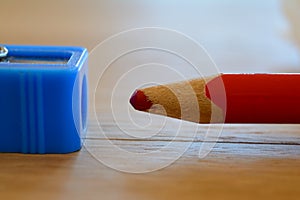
[235, 98]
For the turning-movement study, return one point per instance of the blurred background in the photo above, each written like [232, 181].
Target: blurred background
[240, 36]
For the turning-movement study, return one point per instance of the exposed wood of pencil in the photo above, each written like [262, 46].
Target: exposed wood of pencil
[177, 100]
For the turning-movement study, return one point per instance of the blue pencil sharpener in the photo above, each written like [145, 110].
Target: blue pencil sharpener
[43, 98]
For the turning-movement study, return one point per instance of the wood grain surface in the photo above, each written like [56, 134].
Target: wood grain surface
[247, 162]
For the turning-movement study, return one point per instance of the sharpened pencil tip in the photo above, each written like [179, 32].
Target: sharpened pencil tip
[140, 101]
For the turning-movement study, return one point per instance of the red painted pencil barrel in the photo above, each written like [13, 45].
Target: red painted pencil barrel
[257, 98]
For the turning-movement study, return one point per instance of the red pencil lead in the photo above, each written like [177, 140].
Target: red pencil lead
[139, 101]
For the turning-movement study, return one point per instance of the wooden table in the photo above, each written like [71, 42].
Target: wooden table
[247, 162]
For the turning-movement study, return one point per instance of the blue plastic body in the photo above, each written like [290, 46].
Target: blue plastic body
[43, 105]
